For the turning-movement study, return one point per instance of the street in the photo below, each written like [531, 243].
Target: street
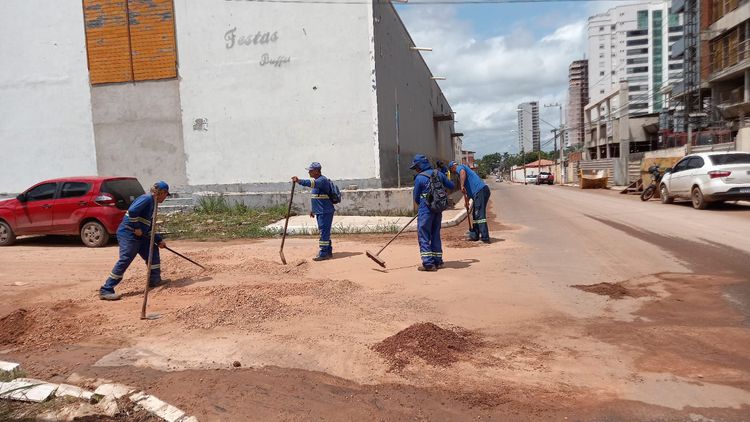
[587, 305]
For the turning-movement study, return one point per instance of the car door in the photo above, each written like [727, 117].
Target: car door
[678, 178]
[70, 207]
[694, 172]
[34, 215]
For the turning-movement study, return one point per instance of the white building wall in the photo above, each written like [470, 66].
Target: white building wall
[46, 129]
[275, 86]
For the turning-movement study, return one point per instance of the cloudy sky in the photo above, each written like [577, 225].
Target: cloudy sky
[496, 56]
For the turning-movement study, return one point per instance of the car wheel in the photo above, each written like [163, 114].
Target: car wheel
[7, 237]
[94, 235]
[664, 193]
[699, 202]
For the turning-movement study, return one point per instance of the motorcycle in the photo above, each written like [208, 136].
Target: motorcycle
[656, 176]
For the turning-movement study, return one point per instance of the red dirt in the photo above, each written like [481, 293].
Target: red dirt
[434, 345]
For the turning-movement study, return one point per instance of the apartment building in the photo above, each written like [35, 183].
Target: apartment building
[529, 137]
[578, 97]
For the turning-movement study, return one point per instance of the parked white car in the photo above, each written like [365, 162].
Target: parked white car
[708, 177]
[531, 178]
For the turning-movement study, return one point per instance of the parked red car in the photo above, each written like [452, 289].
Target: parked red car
[90, 207]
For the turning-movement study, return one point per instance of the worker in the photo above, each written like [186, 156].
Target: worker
[322, 207]
[472, 186]
[134, 237]
[428, 221]
[443, 168]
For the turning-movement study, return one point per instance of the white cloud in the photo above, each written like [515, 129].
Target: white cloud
[487, 78]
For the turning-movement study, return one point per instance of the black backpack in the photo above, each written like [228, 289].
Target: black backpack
[437, 196]
[335, 193]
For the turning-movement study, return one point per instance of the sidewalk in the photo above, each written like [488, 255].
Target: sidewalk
[303, 224]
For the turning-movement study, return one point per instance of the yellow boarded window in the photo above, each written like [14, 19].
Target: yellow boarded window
[130, 40]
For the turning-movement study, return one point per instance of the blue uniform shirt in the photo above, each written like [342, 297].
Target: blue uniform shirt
[473, 183]
[321, 188]
[139, 216]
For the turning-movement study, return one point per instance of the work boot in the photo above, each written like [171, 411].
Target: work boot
[109, 296]
[155, 284]
[486, 241]
[429, 269]
[440, 266]
[322, 257]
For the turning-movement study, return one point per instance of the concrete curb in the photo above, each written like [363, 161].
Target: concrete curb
[32, 390]
[360, 224]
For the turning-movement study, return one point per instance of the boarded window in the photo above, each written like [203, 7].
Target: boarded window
[130, 40]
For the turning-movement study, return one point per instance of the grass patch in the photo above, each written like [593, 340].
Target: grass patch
[216, 219]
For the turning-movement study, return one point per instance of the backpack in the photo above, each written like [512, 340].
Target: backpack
[335, 193]
[437, 196]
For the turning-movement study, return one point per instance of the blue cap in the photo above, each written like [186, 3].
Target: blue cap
[451, 164]
[162, 185]
[314, 166]
[421, 161]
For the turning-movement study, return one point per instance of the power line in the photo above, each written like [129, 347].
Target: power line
[426, 2]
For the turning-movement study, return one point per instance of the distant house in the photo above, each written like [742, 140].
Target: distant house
[467, 157]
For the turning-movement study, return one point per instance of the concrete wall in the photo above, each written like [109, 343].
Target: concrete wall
[46, 129]
[139, 132]
[403, 78]
[353, 202]
[266, 88]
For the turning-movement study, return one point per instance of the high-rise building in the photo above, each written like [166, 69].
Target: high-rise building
[728, 54]
[528, 126]
[632, 43]
[578, 97]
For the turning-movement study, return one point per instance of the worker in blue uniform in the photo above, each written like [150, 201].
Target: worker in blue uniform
[322, 207]
[134, 237]
[472, 186]
[428, 222]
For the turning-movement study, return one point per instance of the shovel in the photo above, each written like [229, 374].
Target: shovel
[375, 257]
[286, 223]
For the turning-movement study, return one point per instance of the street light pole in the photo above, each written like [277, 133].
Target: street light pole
[562, 132]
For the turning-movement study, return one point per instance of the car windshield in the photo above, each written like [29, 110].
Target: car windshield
[724, 159]
[124, 191]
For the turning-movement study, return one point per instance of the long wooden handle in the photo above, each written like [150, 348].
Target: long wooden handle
[288, 213]
[183, 256]
[150, 256]
[397, 234]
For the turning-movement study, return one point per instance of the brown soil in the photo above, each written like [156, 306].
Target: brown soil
[229, 306]
[434, 345]
[613, 290]
[43, 326]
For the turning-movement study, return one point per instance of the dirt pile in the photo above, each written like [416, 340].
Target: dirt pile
[229, 306]
[436, 346]
[44, 325]
[614, 291]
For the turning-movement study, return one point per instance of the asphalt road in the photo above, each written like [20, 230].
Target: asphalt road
[617, 237]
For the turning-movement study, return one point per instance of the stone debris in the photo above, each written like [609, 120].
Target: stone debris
[158, 407]
[27, 389]
[114, 390]
[9, 370]
[108, 406]
[67, 390]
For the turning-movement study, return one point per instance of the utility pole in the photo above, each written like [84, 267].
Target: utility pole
[562, 131]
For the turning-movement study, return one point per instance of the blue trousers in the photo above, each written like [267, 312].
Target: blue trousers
[325, 221]
[130, 247]
[481, 199]
[428, 233]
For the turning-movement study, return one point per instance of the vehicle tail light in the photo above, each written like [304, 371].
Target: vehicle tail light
[105, 200]
[716, 174]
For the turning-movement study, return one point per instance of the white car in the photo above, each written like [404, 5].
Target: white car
[708, 177]
[531, 178]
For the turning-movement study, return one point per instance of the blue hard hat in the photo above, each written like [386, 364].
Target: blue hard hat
[162, 185]
[451, 164]
[314, 166]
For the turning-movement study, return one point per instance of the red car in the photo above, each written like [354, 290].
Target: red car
[545, 178]
[90, 207]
